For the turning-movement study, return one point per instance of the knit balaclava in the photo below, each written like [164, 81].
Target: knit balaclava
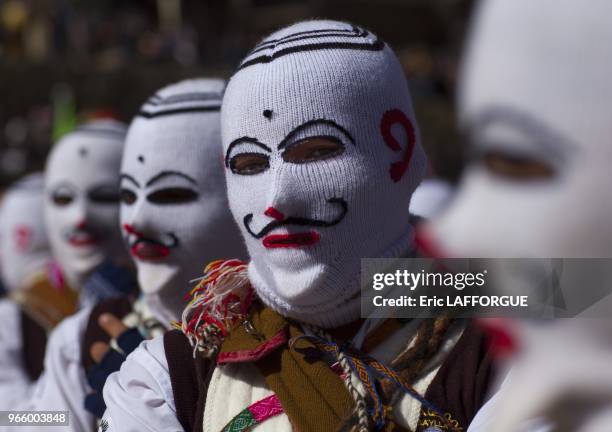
[322, 154]
[536, 100]
[82, 198]
[23, 241]
[174, 209]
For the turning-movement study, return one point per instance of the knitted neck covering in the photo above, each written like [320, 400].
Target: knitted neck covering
[174, 210]
[322, 154]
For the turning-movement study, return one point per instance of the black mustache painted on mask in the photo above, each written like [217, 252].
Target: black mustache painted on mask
[173, 243]
[141, 238]
[298, 221]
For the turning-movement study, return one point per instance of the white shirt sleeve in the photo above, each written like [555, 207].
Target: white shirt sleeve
[14, 381]
[139, 396]
[485, 419]
[63, 384]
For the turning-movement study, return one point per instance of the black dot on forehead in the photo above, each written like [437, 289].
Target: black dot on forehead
[82, 152]
[267, 114]
[141, 158]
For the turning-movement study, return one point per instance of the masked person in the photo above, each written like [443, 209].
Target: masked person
[81, 210]
[535, 99]
[33, 305]
[174, 210]
[322, 154]
[174, 216]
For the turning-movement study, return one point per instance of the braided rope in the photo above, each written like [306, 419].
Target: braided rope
[361, 406]
[359, 365]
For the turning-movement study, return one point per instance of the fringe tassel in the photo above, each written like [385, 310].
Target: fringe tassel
[220, 300]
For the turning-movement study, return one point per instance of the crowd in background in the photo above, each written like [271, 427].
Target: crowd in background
[66, 61]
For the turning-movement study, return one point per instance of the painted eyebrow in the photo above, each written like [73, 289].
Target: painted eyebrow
[244, 140]
[130, 178]
[309, 123]
[547, 138]
[163, 174]
[63, 186]
[103, 187]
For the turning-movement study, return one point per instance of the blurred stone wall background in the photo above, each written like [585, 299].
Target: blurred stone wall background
[64, 61]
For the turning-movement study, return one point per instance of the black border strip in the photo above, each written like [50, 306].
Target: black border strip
[185, 97]
[295, 38]
[306, 32]
[378, 45]
[99, 131]
[149, 115]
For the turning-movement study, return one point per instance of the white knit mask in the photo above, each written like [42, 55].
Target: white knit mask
[23, 241]
[536, 100]
[174, 205]
[82, 191]
[322, 155]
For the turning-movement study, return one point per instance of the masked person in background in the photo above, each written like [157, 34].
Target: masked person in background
[82, 211]
[322, 154]
[81, 208]
[536, 100]
[34, 306]
[175, 217]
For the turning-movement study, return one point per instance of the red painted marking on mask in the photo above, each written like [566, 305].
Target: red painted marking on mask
[296, 240]
[84, 240]
[390, 118]
[274, 214]
[81, 237]
[23, 237]
[147, 251]
[143, 249]
[131, 230]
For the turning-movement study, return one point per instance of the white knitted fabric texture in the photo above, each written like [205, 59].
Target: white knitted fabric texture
[24, 248]
[322, 79]
[84, 167]
[175, 142]
[535, 85]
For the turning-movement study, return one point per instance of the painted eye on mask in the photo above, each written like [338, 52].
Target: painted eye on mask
[313, 149]
[104, 195]
[518, 168]
[172, 195]
[249, 163]
[62, 196]
[127, 196]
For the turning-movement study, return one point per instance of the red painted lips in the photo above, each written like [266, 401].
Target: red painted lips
[148, 251]
[83, 239]
[274, 241]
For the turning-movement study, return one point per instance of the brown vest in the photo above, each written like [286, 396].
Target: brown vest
[45, 303]
[42, 306]
[34, 338]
